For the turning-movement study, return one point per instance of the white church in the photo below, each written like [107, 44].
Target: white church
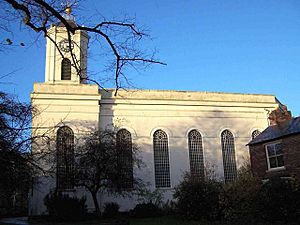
[176, 131]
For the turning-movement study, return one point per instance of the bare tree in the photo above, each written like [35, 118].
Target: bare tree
[123, 41]
[102, 162]
[121, 37]
[18, 164]
[15, 138]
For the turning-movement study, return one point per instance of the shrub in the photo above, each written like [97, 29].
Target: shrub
[248, 200]
[144, 210]
[197, 199]
[278, 200]
[237, 199]
[168, 208]
[145, 195]
[62, 207]
[111, 210]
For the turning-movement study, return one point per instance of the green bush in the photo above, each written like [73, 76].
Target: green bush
[62, 207]
[238, 199]
[168, 208]
[278, 200]
[111, 210]
[146, 195]
[246, 201]
[197, 199]
[144, 210]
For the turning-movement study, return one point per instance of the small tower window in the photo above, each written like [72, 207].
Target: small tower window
[66, 69]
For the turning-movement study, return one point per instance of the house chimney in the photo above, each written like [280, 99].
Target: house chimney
[280, 116]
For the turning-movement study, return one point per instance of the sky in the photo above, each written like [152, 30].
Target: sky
[239, 46]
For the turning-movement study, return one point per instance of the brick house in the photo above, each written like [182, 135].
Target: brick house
[276, 150]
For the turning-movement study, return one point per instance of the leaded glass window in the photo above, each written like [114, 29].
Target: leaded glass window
[274, 155]
[196, 154]
[228, 153]
[255, 134]
[65, 158]
[161, 159]
[66, 69]
[124, 146]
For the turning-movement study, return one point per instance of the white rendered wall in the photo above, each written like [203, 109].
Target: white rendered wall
[177, 113]
[73, 105]
[142, 113]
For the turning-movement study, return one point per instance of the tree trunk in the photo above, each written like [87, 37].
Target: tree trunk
[97, 209]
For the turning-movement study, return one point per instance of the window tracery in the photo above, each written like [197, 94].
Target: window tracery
[125, 160]
[64, 158]
[196, 154]
[161, 159]
[228, 153]
[66, 69]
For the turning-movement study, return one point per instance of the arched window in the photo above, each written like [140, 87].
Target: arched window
[124, 147]
[196, 154]
[228, 152]
[65, 158]
[66, 69]
[161, 159]
[255, 134]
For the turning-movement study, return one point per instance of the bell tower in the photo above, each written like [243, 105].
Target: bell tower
[64, 101]
[65, 97]
[66, 59]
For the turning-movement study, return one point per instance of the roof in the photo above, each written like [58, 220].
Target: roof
[275, 132]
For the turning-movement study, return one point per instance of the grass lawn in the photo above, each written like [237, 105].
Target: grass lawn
[168, 221]
[165, 220]
[178, 221]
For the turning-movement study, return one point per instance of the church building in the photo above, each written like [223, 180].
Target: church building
[176, 131]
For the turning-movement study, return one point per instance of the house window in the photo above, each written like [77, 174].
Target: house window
[161, 159]
[274, 155]
[65, 158]
[255, 133]
[228, 152]
[196, 154]
[66, 69]
[124, 147]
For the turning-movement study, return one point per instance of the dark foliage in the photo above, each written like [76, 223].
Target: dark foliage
[238, 199]
[15, 164]
[279, 200]
[111, 210]
[197, 199]
[246, 201]
[169, 208]
[120, 222]
[62, 207]
[145, 210]
[14, 183]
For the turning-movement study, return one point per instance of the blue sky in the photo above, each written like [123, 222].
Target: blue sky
[244, 46]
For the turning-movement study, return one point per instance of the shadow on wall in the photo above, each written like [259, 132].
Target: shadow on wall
[177, 127]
